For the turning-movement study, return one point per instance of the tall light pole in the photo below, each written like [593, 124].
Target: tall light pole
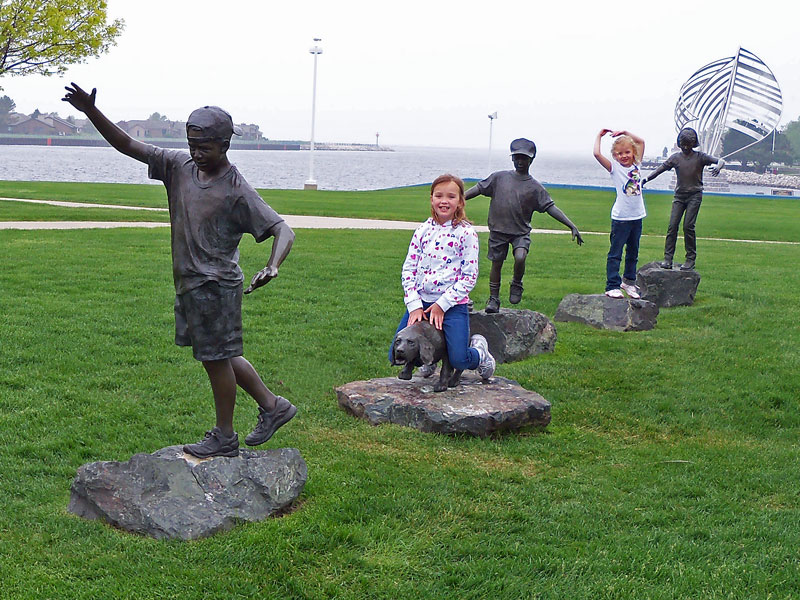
[492, 117]
[311, 184]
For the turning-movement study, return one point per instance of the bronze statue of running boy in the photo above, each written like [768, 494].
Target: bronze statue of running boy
[515, 195]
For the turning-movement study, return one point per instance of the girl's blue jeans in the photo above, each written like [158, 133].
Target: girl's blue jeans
[623, 234]
[456, 335]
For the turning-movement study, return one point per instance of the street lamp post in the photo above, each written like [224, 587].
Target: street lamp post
[311, 184]
[492, 117]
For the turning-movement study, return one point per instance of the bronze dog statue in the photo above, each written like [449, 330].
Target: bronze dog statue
[422, 344]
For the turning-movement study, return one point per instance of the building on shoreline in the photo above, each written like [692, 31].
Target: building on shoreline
[39, 129]
[40, 124]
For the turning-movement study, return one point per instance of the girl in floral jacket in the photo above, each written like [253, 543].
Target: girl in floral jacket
[439, 272]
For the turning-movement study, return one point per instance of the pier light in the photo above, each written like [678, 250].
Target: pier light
[311, 184]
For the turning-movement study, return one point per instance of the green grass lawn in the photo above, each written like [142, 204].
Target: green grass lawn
[669, 469]
[721, 216]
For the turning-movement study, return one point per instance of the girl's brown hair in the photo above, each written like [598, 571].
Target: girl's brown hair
[461, 215]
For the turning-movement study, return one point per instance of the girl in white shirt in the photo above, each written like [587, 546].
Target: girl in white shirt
[628, 210]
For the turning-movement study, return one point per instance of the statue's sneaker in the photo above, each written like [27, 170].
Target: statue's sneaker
[493, 304]
[214, 444]
[269, 422]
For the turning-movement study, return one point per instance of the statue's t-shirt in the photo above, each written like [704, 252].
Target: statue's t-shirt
[514, 199]
[689, 170]
[208, 219]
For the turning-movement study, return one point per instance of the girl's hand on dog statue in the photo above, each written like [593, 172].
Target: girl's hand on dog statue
[415, 316]
[435, 315]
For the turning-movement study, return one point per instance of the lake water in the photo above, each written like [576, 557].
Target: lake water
[333, 170]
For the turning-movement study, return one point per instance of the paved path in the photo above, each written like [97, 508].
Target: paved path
[295, 221]
[82, 204]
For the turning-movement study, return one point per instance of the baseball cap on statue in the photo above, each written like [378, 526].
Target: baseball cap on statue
[523, 146]
[689, 135]
[213, 123]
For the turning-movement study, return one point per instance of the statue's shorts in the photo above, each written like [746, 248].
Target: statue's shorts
[499, 242]
[209, 319]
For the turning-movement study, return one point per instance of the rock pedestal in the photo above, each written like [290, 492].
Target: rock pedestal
[667, 287]
[171, 494]
[602, 312]
[514, 334]
[473, 407]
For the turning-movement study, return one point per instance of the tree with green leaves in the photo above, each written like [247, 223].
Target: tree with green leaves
[762, 153]
[44, 37]
[157, 117]
[792, 133]
[7, 106]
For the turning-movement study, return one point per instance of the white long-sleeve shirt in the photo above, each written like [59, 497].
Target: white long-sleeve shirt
[441, 265]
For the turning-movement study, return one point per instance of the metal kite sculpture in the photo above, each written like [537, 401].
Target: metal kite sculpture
[738, 92]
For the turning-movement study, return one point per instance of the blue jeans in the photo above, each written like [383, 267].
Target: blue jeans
[456, 336]
[623, 233]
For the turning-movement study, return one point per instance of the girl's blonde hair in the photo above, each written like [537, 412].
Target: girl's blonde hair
[461, 214]
[622, 139]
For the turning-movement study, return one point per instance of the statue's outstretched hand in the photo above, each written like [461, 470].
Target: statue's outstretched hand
[715, 170]
[576, 235]
[263, 277]
[79, 98]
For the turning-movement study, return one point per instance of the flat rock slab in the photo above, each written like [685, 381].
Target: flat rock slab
[667, 287]
[602, 312]
[514, 334]
[171, 494]
[473, 407]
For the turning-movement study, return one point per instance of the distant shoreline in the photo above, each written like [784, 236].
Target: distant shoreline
[72, 141]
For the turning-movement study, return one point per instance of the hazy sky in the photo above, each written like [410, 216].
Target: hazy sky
[426, 72]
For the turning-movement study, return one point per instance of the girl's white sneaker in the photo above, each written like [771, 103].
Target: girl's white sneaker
[631, 290]
[487, 365]
[426, 370]
[615, 293]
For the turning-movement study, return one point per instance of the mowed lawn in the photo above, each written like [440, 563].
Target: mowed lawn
[669, 469]
[757, 218]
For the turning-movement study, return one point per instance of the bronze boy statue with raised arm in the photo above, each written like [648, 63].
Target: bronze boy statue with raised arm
[210, 206]
[515, 195]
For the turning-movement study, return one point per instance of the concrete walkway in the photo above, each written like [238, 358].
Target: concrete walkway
[82, 204]
[294, 221]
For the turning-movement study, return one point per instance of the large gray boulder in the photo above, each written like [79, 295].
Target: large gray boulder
[171, 494]
[667, 287]
[514, 334]
[602, 312]
[474, 407]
